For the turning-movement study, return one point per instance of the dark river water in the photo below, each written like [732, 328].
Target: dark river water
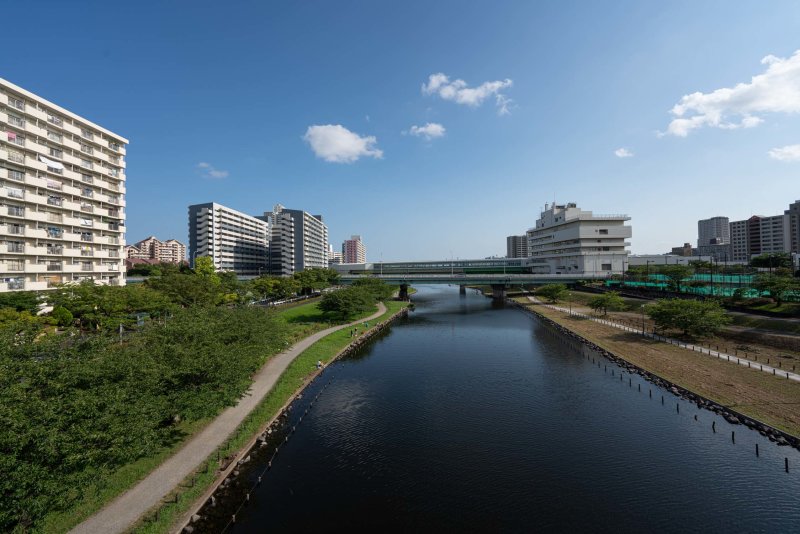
[468, 416]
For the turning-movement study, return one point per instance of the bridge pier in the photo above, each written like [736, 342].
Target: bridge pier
[462, 289]
[498, 291]
[403, 292]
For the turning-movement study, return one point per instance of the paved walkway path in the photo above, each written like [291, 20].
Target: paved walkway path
[119, 515]
[750, 364]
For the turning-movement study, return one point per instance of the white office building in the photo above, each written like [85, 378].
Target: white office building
[233, 240]
[567, 239]
[62, 195]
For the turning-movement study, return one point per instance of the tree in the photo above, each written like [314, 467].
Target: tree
[315, 279]
[692, 317]
[777, 287]
[607, 301]
[62, 316]
[20, 301]
[675, 274]
[204, 267]
[552, 292]
[379, 289]
[772, 260]
[348, 302]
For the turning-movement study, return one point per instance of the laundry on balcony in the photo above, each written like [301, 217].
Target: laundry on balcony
[12, 136]
[50, 163]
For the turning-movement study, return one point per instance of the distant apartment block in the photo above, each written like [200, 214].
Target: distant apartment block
[334, 256]
[792, 233]
[298, 240]
[353, 250]
[758, 235]
[62, 203]
[169, 251]
[684, 251]
[517, 246]
[714, 238]
[233, 240]
[567, 239]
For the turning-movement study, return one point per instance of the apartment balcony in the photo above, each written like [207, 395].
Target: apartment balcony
[13, 231]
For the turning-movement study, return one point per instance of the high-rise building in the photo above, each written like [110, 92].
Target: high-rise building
[758, 235]
[792, 232]
[334, 257]
[62, 187]
[567, 239]
[353, 250]
[713, 231]
[233, 240]
[298, 240]
[516, 246]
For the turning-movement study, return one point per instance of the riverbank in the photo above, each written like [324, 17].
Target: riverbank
[179, 512]
[768, 404]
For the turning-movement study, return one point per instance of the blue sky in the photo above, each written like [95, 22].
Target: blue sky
[281, 101]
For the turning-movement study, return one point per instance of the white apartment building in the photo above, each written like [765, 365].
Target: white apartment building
[517, 246]
[759, 235]
[62, 195]
[353, 250]
[567, 239]
[233, 240]
[298, 240]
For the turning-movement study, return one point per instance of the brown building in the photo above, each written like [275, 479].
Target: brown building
[169, 251]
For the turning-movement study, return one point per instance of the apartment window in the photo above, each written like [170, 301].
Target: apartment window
[86, 266]
[87, 207]
[16, 229]
[87, 149]
[86, 251]
[16, 246]
[54, 266]
[86, 222]
[19, 176]
[55, 249]
[87, 192]
[113, 254]
[16, 283]
[86, 164]
[87, 236]
[15, 265]
[113, 240]
[17, 157]
[87, 178]
[16, 103]
[113, 199]
[16, 211]
[54, 232]
[55, 201]
[56, 153]
[86, 134]
[16, 139]
[16, 121]
[15, 192]
[605, 266]
[52, 119]
[114, 146]
[53, 136]
[114, 159]
[113, 172]
[604, 231]
[54, 217]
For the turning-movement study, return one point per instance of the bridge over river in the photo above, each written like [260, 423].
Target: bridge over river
[500, 273]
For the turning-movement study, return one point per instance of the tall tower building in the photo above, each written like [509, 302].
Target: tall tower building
[62, 195]
[516, 246]
[353, 250]
[792, 232]
[233, 240]
[298, 240]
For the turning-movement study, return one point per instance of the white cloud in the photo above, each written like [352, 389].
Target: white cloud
[430, 131]
[337, 144]
[458, 91]
[209, 171]
[776, 90]
[786, 153]
[623, 153]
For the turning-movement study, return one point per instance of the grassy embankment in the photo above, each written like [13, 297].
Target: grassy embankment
[770, 399]
[302, 320]
[290, 382]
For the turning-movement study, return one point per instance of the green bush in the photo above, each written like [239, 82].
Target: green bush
[62, 316]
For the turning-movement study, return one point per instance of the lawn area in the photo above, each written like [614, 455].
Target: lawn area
[771, 399]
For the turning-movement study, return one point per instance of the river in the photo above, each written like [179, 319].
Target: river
[469, 416]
